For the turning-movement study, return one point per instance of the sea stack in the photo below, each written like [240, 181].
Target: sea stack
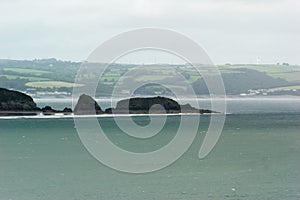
[86, 105]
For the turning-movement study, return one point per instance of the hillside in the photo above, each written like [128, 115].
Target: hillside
[54, 77]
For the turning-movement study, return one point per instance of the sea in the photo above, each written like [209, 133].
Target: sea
[256, 157]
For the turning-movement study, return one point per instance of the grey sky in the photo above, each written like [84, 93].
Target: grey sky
[235, 31]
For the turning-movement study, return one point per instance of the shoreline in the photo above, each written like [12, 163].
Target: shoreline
[62, 116]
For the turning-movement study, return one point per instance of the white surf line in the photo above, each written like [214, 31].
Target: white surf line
[61, 116]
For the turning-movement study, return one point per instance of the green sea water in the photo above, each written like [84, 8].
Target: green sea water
[256, 157]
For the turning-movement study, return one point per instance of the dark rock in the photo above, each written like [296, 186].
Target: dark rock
[143, 105]
[86, 105]
[187, 108]
[48, 110]
[154, 105]
[202, 111]
[16, 103]
[109, 110]
[67, 111]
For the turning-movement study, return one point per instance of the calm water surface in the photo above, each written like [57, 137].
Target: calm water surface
[257, 157]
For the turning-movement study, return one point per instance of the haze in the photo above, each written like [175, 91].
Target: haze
[232, 31]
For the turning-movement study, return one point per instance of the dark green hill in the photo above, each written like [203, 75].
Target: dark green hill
[246, 79]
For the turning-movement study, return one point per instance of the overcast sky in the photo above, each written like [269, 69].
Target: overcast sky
[231, 31]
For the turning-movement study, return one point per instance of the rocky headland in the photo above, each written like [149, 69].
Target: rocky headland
[147, 105]
[14, 103]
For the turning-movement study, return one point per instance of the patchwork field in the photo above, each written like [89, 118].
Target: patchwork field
[51, 74]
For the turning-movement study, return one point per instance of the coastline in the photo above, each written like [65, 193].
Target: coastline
[61, 107]
[61, 116]
[14, 103]
[228, 97]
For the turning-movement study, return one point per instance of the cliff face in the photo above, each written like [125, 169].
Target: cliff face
[86, 105]
[16, 101]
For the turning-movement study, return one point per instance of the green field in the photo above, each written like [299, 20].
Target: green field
[161, 72]
[26, 71]
[51, 84]
[50, 75]
[30, 78]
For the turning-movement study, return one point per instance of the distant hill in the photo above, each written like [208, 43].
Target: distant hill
[57, 77]
[247, 79]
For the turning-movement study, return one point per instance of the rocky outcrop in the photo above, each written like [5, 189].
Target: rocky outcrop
[16, 103]
[67, 111]
[86, 105]
[144, 105]
[48, 110]
[187, 108]
[153, 105]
